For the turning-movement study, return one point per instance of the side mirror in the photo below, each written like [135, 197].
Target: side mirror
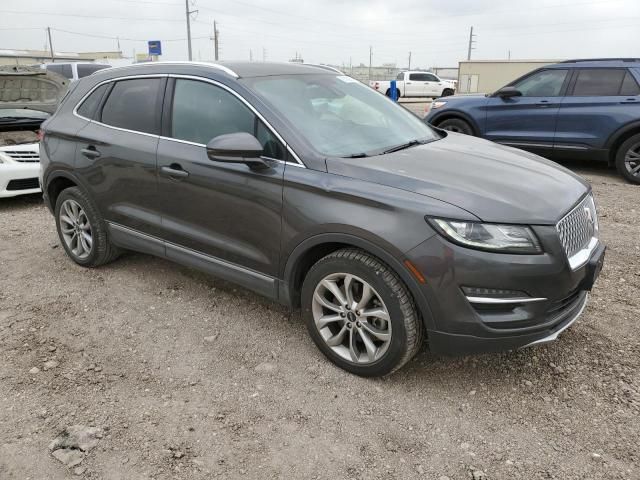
[508, 92]
[238, 147]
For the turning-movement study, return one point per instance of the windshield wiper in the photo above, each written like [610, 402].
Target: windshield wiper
[356, 155]
[410, 144]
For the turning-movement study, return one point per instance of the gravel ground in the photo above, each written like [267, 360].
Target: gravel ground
[186, 376]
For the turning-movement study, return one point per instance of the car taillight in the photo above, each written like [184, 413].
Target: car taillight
[40, 134]
[376, 85]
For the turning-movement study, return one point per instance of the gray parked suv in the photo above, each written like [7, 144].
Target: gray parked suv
[308, 187]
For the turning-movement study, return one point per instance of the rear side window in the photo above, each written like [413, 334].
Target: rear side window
[132, 105]
[629, 85]
[202, 111]
[85, 69]
[417, 77]
[599, 82]
[63, 69]
[90, 105]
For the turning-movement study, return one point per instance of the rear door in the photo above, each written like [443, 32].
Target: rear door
[600, 100]
[528, 121]
[116, 150]
[433, 85]
[415, 85]
[226, 211]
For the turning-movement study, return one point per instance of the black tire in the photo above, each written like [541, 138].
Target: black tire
[629, 168]
[101, 249]
[456, 125]
[406, 325]
[447, 92]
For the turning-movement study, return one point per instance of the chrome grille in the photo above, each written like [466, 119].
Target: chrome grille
[24, 156]
[578, 227]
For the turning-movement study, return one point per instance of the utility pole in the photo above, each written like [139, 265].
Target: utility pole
[118, 39]
[264, 54]
[370, 60]
[250, 55]
[409, 61]
[189, 12]
[471, 42]
[53, 59]
[509, 56]
[350, 67]
[216, 36]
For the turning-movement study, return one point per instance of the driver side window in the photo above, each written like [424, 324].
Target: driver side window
[202, 111]
[546, 83]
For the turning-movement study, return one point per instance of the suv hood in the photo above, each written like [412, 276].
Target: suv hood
[31, 87]
[493, 182]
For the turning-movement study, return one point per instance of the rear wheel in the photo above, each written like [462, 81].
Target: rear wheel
[628, 159]
[82, 230]
[447, 92]
[388, 93]
[456, 125]
[360, 314]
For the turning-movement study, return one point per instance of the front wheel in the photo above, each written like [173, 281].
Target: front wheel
[447, 92]
[456, 125]
[360, 314]
[628, 159]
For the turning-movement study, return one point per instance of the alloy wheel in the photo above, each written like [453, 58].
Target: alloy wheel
[632, 160]
[351, 318]
[76, 229]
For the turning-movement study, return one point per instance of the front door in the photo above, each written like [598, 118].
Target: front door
[528, 121]
[433, 85]
[224, 211]
[415, 85]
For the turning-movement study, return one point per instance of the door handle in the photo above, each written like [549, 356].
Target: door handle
[543, 103]
[90, 152]
[174, 170]
[407, 83]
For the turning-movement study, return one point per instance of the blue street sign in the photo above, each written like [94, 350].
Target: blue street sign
[155, 47]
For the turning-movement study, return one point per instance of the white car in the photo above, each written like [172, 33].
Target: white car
[416, 83]
[74, 70]
[27, 97]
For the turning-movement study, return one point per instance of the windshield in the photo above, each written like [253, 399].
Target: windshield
[340, 116]
[22, 113]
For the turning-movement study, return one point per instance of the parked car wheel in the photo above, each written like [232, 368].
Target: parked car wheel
[456, 125]
[82, 230]
[447, 92]
[628, 159]
[360, 313]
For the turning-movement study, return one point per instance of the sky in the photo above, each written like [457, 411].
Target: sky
[436, 32]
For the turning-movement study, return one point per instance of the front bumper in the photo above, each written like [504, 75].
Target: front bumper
[19, 179]
[553, 295]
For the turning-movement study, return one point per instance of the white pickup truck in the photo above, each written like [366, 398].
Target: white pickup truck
[417, 84]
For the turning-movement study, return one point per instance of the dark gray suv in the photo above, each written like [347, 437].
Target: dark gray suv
[308, 187]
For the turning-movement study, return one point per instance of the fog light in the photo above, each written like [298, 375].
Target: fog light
[492, 292]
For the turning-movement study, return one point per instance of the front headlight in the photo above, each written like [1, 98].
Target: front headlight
[438, 104]
[488, 236]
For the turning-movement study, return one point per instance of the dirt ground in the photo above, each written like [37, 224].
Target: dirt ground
[189, 377]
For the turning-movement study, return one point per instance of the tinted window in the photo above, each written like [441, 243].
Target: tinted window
[546, 83]
[85, 69]
[629, 85]
[272, 147]
[132, 105]
[63, 69]
[418, 77]
[431, 78]
[599, 82]
[89, 106]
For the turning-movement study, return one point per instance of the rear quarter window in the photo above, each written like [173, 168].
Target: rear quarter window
[89, 107]
[599, 82]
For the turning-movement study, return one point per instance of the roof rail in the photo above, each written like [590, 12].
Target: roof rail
[577, 60]
[217, 66]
